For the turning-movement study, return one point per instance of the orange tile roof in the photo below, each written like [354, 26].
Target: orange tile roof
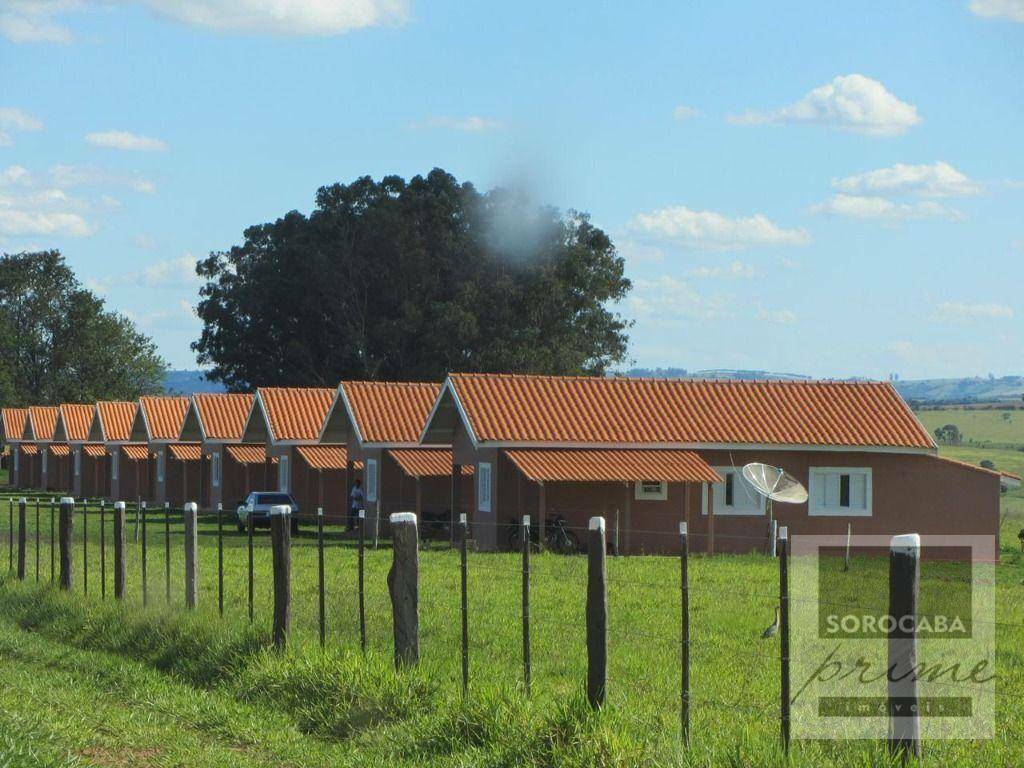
[136, 451]
[60, 449]
[116, 418]
[185, 451]
[550, 409]
[390, 411]
[249, 453]
[76, 419]
[164, 416]
[324, 457]
[29, 449]
[566, 465]
[14, 422]
[296, 413]
[43, 419]
[223, 415]
[95, 451]
[978, 468]
[426, 462]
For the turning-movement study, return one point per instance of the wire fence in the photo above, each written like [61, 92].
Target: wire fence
[734, 671]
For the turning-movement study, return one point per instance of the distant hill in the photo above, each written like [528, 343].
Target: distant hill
[189, 382]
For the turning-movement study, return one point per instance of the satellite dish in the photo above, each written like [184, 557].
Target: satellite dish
[774, 483]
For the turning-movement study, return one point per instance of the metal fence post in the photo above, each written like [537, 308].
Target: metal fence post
[120, 570]
[53, 541]
[167, 550]
[191, 514]
[281, 544]
[464, 568]
[320, 574]
[220, 559]
[22, 537]
[67, 508]
[526, 603]
[904, 578]
[361, 569]
[597, 614]
[684, 579]
[784, 632]
[403, 586]
[250, 525]
[103, 550]
[85, 547]
[38, 540]
[140, 514]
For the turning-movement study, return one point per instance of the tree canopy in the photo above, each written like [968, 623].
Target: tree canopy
[410, 280]
[59, 345]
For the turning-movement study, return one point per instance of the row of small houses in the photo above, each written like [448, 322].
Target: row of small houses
[644, 452]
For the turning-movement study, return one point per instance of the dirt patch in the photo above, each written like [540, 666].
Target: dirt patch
[118, 757]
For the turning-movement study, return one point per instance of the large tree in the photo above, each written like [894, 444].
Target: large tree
[411, 280]
[59, 345]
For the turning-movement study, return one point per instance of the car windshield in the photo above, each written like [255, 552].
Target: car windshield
[274, 498]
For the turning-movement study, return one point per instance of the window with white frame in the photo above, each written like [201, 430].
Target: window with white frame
[371, 480]
[483, 487]
[78, 462]
[160, 466]
[650, 490]
[114, 457]
[215, 469]
[282, 473]
[733, 496]
[842, 491]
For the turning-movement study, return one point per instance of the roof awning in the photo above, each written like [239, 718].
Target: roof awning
[595, 466]
[252, 453]
[426, 462]
[29, 449]
[185, 451]
[60, 449]
[95, 451]
[136, 452]
[324, 457]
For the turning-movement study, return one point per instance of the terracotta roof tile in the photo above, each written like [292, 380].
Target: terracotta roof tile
[390, 412]
[549, 409]
[185, 451]
[43, 418]
[562, 465]
[116, 418]
[95, 451]
[136, 451]
[323, 456]
[164, 416]
[76, 419]
[249, 453]
[296, 413]
[426, 462]
[14, 422]
[223, 415]
[29, 449]
[60, 449]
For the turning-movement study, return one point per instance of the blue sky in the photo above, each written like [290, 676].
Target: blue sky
[832, 189]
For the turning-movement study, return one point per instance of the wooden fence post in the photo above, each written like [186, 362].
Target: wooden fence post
[191, 515]
[281, 544]
[904, 579]
[103, 550]
[22, 537]
[464, 568]
[321, 605]
[597, 615]
[784, 632]
[403, 586]
[67, 508]
[526, 603]
[684, 579]
[362, 565]
[120, 569]
[220, 559]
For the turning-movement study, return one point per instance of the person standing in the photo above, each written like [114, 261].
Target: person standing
[355, 503]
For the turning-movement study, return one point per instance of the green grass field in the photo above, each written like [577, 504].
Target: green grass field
[93, 683]
[995, 427]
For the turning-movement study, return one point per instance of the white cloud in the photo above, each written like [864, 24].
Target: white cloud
[87, 175]
[777, 316]
[867, 207]
[473, 123]
[667, 299]
[169, 273]
[16, 176]
[683, 113]
[958, 311]
[39, 21]
[13, 119]
[145, 242]
[939, 179]
[708, 230]
[736, 269]
[999, 9]
[850, 102]
[27, 210]
[124, 140]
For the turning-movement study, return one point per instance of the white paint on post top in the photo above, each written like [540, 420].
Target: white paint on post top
[191, 507]
[23, 500]
[319, 511]
[597, 524]
[362, 514]
[119, 505]
[281, 509]
[682, 529]
[462, 518]
[784, 532]
[526, 520]
[403, 517]
[67, 500]
[906, 542]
